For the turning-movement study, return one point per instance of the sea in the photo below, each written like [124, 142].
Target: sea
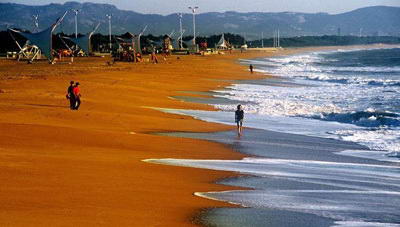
[323, 141]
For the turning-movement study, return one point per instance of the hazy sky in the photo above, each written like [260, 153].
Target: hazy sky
[172, 6]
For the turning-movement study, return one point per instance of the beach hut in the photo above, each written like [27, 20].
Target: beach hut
[42, 40]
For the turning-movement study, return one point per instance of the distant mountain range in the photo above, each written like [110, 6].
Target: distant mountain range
[377, 20]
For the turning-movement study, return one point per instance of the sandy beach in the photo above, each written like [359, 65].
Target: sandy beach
[63, 167]
[83, 168]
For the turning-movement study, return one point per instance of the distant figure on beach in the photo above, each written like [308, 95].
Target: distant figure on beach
[239, 115]
[77, 95]
[154, 58]
[251, 68]
[70, 95]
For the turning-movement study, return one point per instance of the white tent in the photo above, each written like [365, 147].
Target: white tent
[41, 40]
[222, 44]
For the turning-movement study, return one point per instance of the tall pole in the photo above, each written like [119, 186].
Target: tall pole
[194, 23]
[262, 39]
[181, 30]
[279, 42]
[274, 42]
[76, 11]
[109, 16]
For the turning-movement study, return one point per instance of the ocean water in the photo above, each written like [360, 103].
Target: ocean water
[324, 148]
[357, 90]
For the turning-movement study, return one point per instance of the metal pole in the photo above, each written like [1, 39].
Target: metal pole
[181, 30]
[76, 11]
[76, 24]
[262, 39]
[278, 39]
[109, 28]
[194, 23]
[194, 28]
[273, 39]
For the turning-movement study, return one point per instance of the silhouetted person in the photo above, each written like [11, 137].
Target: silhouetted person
[239, 115]
[251, 68]
[77, 95]
[70, 95]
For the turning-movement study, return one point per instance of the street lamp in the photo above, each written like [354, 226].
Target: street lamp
[109, 16]
[181, 30]
[76, 11]
[193, 9]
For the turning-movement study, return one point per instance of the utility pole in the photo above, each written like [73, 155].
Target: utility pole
[109, 16]
[181, 30]
[193, 9]
[76, 11]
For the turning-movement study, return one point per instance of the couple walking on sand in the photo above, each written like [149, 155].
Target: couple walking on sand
[74, 95]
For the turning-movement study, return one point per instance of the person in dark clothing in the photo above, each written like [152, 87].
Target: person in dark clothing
[251, 68]
[70, 95]
[77, 95]
[239, 116]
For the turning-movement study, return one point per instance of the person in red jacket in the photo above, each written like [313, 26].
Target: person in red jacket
[77, 94]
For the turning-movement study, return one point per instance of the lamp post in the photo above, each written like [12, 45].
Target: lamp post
[109, 16]
[193, 9]
[76, 11]
[181, 30]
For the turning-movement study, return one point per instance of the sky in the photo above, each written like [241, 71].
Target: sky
[172, 6]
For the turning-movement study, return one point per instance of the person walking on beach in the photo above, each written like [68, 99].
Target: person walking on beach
[77, 95]
[251, 68]
[70, 95]
[239, 115]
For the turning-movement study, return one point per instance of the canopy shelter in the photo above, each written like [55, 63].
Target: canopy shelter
[176, 44]
[222, 44]
[28, 51]
[137, 38]
[83, 42]
[156, 44]
[43, 39]
[189, 43]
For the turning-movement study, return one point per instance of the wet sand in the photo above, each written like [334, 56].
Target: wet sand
[85, 168]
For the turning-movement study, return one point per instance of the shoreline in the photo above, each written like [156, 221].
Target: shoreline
[203, 214]
[85, 159]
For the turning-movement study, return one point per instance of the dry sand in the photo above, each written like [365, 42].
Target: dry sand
[83, 168]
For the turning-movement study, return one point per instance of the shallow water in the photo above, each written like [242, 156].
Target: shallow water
[351, 88]
[324, 143]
